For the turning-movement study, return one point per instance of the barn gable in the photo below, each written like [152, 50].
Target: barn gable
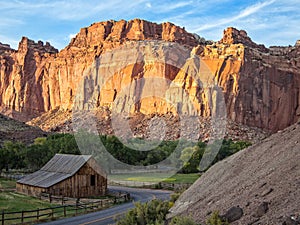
[66, 175]
[59, 168]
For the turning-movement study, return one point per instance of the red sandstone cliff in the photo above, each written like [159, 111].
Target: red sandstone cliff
[260, 85]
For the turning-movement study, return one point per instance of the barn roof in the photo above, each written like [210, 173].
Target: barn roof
[59, 168]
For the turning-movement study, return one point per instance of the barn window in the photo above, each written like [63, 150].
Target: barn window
[93, 180]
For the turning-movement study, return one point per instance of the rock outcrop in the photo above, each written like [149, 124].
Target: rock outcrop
[262, 181]
[260, 85]
[23, 92]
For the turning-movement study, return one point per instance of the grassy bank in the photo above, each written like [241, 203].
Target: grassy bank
[157, 177]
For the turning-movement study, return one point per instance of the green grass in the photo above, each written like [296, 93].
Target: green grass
[7, 184]
[157, 177]
[12, 201]
[184, 178]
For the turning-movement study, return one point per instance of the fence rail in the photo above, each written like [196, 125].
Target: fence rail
[29, 216]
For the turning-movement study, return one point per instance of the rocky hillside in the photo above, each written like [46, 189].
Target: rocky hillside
[259, 185]
[12, 130]
[260, 85]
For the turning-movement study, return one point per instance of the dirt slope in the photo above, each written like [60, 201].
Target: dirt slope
[13, 130]
[264, 180]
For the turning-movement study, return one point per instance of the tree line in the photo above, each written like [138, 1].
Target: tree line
[17, 155]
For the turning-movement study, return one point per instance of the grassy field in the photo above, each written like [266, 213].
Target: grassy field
[7, 184]
[11, 201]
[157, 177]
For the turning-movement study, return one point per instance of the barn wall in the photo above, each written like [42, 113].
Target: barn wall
[30, 190]
[79, 185]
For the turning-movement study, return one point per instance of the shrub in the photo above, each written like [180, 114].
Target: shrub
[182, 221]
[215, 219]
[150, 213]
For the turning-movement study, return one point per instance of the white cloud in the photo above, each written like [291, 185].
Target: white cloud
[179, 5]
[170, 6]
[148, 5]
[60, 19]
[6, 22]
[9, 40]
[244, 13]
[72, 36]
[71, 10]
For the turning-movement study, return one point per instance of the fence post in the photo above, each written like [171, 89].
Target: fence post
[52, 213]
[22, 217]
[3, 217]
[38, 214]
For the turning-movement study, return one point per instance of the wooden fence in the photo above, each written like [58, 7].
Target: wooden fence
[30, 216]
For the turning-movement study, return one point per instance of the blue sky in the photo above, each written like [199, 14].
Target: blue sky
[270, 22]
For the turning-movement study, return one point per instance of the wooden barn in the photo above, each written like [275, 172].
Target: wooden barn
[73, 176]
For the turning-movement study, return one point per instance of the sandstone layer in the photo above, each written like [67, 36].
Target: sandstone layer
[260, 85]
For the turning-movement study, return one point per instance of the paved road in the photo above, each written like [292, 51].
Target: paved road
[106, 216]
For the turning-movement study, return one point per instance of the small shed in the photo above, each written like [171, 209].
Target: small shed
[65, 175]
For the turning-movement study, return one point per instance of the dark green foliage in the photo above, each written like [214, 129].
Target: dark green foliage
[11, 155]
[215, 219]
[225, 149]
[17, 155]
[150, 213]
[230, 147]
[134, 157]
[175, 196]
[179, 220]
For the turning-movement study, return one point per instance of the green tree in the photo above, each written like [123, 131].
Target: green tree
[11, 155]
[191, 157]
[36, 156]
[40, 141]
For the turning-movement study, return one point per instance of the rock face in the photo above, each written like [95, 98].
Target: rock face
[23, 91]
[36, 79]
[260, 85]
[263, 180]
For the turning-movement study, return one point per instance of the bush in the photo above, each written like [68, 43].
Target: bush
[215, 219]
[182, 221]
[150, 213]
[175, 196]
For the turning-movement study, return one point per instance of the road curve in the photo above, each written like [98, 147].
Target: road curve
[106, 216]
